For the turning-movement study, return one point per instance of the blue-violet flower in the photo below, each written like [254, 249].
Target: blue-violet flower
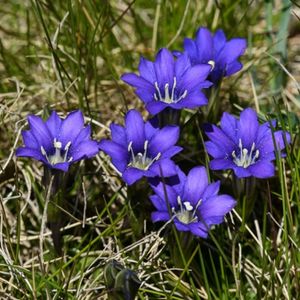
[169, 82]
[140, 149]
[192, 203]
[214, 49]
[58, 142]
[244, 145]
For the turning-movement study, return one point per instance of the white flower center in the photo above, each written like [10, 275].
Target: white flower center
[245, 159]
[186, 213]
[167, 97]
[141, 160]
[60, 155]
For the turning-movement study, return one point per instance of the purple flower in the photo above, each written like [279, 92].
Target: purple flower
[56, 142]
[139, 149]
[215, 50]
[244, 145]
[192, 202]
[168, 82]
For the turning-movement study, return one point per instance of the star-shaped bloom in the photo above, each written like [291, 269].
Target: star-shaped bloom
[169, 82]
[140, 149]
[244, 145]
[192, 203]
[58, 142]
[214, 49]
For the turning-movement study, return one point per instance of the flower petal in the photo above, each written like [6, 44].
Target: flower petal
[232, 50]
[146, 69]
[156, 107]
[248, 127]
[199, 229]
[164, 67]
[204, 42]
[219, 41]
[214, 150]
[262, 169]
[137, 81]
[70, 127]
[53, 123]
[118, 134]
[221, 164]
[115, 151]
[229, 125]
[40, 131]
[157, 216]
[163, 139]
[233, 68]
[159, 203]
[61, 166]
[135, 130]
[29, 140]
[86, 149]
[190, 48]
[29, 152]
[213, 210]
[163, 168]
[195, 184]
[219, 138]
[131, 175]
[241, 172]
[182, 65]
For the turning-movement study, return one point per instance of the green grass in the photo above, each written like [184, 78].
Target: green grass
[65, 55]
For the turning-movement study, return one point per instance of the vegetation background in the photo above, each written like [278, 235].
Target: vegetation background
[66, 55]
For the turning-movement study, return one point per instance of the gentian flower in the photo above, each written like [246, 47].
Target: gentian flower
[139, 149]
[215, 50]
[168, 82]
[192, 202]
[58, 142]
[244, 145]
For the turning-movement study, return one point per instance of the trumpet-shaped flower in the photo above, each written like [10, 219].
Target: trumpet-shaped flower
[168, 82]
[215, 50]
[139, 149]
[192, 203]
[244, 145]
[58, 142]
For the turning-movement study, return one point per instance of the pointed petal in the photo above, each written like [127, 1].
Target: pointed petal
[164, 67]
[84, 135]
[248, 127]
[232, 50]
[221, 164]
[204, 42]
[146, 69]
[219, 41]
[29, 152]
[40, 131]
[156, 107]
[262, 169]
[137, 81]
[214, 150]
[163, 139]
[131, 175]
[135, 130]
[219, 138]
[71, 127]
[213, 210]
[195, 184]
[53, 123]
[157, 216]
[190, 48]
[86, 149]
[233, 68]
[199, 229]
[211, 190]
[241, 172]
[29, 140]
[115, 151]
[163, 168]
[193, 100]
[118, 135]
[182, 65]
[61, 166]
[229, 124]
[159, 203]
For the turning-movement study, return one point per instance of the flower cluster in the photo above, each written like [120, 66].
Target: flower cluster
[174, 81]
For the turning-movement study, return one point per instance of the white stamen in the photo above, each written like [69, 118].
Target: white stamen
[173, 98]
[186, 213]
[245, 159]
[141, 160]
[212, 63]
[59, 156]
[188, 206]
